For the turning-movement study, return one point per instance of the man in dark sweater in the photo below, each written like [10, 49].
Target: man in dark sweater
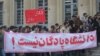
[1, 42]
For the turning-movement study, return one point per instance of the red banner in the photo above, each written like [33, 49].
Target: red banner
[35, 16]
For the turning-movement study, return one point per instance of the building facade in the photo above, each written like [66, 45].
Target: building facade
[57, 11]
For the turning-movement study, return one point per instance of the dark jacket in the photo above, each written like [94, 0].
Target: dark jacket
[95, 24]
[1, 40]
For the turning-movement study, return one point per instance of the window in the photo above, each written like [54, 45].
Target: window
[98, 5]
[70, 8]
[44, 4]
[74, 1]
[1, 13]
[19, 12]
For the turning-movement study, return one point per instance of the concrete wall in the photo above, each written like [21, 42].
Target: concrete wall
[60, 16]
[83, 7]
[6, 12]
[55, 12]
[52, 7]
[92, 8]
[87, 6]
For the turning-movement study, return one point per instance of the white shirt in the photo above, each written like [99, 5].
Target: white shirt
[65, 30]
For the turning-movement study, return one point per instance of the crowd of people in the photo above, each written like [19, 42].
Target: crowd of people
[74, 25]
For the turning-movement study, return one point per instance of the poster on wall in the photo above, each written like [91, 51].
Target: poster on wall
[35, 16]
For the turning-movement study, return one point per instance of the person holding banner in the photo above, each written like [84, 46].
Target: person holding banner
[11, 29]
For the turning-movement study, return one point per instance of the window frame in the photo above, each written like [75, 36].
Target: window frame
[1, 14]
[71, 4]
[19, 21]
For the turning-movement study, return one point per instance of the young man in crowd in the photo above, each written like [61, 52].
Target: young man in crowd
[2, 53]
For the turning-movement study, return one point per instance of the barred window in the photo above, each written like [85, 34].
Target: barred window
[1, 13]
[70, 8]
[19, 12]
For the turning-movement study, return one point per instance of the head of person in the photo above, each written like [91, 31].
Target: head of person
[33, 27]
[45, 29]
[73, 17]
[90, 17]
[57, 25]
[38, 29]
[4, 28]
[52, 27]
[78, 18]
[66, 24]
[98, 15]
[27, 29]
[13, 28]
[0, 30]
[95, 16]
[85, 14]
[20, 28]
[71, 22]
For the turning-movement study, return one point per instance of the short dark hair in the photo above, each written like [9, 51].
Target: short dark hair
[73, 16]
[65, 23]
[84, 13]
[33, 27]
[57, 24]
[12, 27]
[53, 27]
